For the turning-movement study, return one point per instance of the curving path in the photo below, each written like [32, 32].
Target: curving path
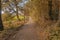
[27, 32]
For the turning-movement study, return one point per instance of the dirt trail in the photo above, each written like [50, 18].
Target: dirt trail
[27, 32]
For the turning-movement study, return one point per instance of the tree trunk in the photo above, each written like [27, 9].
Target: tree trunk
[50, 9]
[17, 14]
[1, 24]
[53, 9]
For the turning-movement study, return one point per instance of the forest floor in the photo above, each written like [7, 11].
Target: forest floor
[10, 30]
[26, 32]
[29, 31]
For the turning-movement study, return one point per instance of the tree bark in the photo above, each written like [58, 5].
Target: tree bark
[1, 24]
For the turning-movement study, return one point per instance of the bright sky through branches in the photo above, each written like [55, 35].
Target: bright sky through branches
[21, 4]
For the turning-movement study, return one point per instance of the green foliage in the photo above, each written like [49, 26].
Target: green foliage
[20, 17]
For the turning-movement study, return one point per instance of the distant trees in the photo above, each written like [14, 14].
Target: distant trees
[8, 9]
[53, 9]
[11, 6]
[38, 9]
[45, 13]
[48, 9]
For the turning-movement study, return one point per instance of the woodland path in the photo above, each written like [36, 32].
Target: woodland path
[27, 32]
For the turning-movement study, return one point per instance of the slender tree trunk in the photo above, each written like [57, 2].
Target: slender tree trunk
[17, 14]
[50, 9]
[56, 10]
[1, 24]
[53, 9]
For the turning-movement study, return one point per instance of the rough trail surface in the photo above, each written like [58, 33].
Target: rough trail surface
[27, 32]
